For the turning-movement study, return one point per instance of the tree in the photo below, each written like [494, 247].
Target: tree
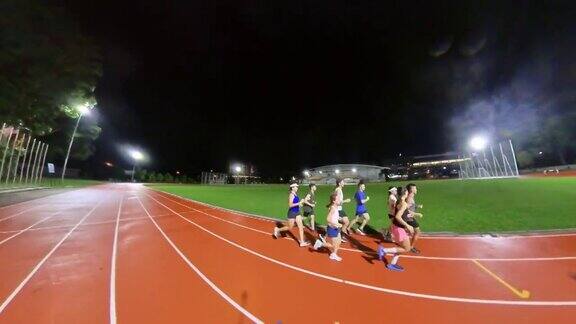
[47, 66]
[168, 177]
[159, 177]
[152, 177]
[141, 175]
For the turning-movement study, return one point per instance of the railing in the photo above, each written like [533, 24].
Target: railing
[22, 158]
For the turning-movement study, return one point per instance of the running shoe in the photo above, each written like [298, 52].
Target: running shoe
[302, 244]
[322, 238]
[394, 267]
[415, 250]
[343, 239]
[381, 253]
[276, 232]
[359, 231]
[335, 257]
[317, 244]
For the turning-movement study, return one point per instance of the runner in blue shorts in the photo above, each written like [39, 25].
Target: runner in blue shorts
[294, 215]
[332, 230]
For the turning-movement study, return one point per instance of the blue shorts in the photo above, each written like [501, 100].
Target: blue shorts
[332, 231]
[292, 214]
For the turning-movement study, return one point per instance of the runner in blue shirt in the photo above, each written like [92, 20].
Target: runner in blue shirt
[361, 210]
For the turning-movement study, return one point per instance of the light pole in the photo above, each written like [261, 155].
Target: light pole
[137, 156]
[83, 109]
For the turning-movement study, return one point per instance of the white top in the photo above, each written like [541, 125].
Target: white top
[339, 197]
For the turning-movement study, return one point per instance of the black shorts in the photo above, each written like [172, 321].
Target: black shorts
[412, 222]
[292, 214]
[360, 214]
[342, 213]
[308, 213]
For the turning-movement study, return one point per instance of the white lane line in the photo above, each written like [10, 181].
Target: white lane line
[86, 224]
[199, 273]
[113, 267]
[423, 237]
[37, 267]
[367, 252]
[386, 290]
[21, 212]
[26, 229]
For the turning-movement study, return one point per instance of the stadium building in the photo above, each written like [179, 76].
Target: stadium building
[351, 173]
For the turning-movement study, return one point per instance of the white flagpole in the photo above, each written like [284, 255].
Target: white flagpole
[11, 157]
[43, 162]
[5, 150]
[30, 160]
[18, 157]
[24, 159]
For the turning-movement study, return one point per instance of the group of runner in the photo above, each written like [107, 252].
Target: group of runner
[404, 229]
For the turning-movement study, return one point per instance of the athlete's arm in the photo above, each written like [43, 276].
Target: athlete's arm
[290, 201]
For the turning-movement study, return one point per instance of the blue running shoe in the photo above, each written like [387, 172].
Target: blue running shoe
[381, 253]
[394, 267]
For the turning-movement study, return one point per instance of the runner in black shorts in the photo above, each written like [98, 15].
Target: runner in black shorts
[411, 217]
[309, 204]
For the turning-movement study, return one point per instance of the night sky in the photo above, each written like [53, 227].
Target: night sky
[286, 85]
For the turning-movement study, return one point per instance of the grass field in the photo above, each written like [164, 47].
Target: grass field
[449, 205]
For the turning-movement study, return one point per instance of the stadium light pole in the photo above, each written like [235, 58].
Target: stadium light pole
[137, 156]
[82, 110]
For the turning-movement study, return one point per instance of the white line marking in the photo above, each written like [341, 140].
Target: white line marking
[33, 272]
[199, 273]
[423, 237]
[20, 213]
[26, 229]
[86, 224]
[113, 267]
[367, 252]
[386, 290]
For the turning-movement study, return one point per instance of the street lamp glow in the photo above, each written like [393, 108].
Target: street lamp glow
[478, 143]
[136, 155]
[306, 173]
[238, 169]
[320, 172]
[337, 171]
[84, 109]
[354, 170]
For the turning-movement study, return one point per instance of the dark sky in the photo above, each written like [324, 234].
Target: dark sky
[292, 84]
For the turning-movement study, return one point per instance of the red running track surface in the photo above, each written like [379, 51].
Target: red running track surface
[124, 253]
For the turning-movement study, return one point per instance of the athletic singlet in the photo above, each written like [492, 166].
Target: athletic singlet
[404, 216]
[295, 209]
[411, 205]
[339, 198]
[332, 216]
[312, 200]
[360, 206]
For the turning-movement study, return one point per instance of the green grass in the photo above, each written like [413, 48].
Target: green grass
[449, 205]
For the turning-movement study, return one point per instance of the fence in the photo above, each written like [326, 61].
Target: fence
[214, 178]
[23, 158]
[494, 161]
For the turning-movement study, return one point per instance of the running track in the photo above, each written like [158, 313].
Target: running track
[124, 253]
